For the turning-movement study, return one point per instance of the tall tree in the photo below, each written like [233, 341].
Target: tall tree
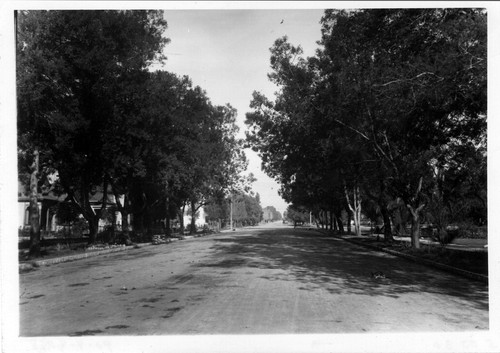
[218, 157]
[418, 91]
[74, 62]
[387, 90]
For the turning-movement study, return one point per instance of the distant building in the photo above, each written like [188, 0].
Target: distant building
[200, 219]
[269, 214]
[48, 200]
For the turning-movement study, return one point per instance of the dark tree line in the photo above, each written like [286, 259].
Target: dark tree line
[390, 114]
[297, 215]
[246, 210]
[91, 112]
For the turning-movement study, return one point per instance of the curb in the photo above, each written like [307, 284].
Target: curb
[37, 263]
[443, 267]
[29, 265]
[447, 268]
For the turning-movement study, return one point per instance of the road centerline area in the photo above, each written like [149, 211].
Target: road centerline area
[262, 280]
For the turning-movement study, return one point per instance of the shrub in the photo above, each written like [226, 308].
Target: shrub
[79, 228]
[107, 235]
[139, 237]
[24, 244]
[24, 232]
[469, 230]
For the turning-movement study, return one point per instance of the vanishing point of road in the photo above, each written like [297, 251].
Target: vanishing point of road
[262, 280]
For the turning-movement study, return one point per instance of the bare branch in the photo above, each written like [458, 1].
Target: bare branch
[353, 129]
[410, 79]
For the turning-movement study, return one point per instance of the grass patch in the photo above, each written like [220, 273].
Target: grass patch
[472, 261]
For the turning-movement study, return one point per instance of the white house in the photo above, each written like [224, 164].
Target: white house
[200, 220]
[47, 199]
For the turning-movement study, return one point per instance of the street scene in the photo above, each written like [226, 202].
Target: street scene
[270, 279]
[201, 171]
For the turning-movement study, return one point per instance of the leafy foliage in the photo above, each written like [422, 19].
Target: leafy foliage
[385, 106]
[271, 214]
[297, 214]
[94, 113]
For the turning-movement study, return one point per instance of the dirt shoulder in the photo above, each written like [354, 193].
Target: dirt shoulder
[473, 262]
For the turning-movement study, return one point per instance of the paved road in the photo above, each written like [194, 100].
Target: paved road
[270, 279]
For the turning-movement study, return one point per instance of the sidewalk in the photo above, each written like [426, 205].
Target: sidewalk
[31, 264]
[463, 244]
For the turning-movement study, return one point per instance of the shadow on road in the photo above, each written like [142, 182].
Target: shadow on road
[339, 267]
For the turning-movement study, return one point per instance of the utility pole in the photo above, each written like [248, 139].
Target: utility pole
[231, 211]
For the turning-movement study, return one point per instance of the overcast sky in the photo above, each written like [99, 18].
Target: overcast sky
[226, 52]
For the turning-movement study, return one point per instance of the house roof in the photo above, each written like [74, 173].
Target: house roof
[43, 194]
[98, 197]
[50, 194]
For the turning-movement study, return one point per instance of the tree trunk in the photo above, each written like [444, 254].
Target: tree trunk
[415, 233]
[387, 223]
[355, 208]
[148, 223]
[82, 202]
[125, 225]
[44, 218]
[91, 217]
[168, 232]
[193, 218]
[34, 213]
[339, 223]
[415, 225]
[103, 211]
[357, 220]
[415, 217]
[92, 220]
[123, 209]
[167, 217]
[349, 222]
[93, 228]
[137, 222]
[181, 218]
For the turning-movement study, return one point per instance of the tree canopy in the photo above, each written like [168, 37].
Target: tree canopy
[91, 110]
[69, 68]
[247, 209]
[380, 113]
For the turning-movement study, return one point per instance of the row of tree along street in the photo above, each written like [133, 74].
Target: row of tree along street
[91, 112]
[389, 114]
[242, 208]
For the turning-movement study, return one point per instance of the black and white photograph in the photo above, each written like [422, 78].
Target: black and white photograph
[249, 176]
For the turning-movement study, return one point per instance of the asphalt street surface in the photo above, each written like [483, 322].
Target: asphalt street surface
[263, 280]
